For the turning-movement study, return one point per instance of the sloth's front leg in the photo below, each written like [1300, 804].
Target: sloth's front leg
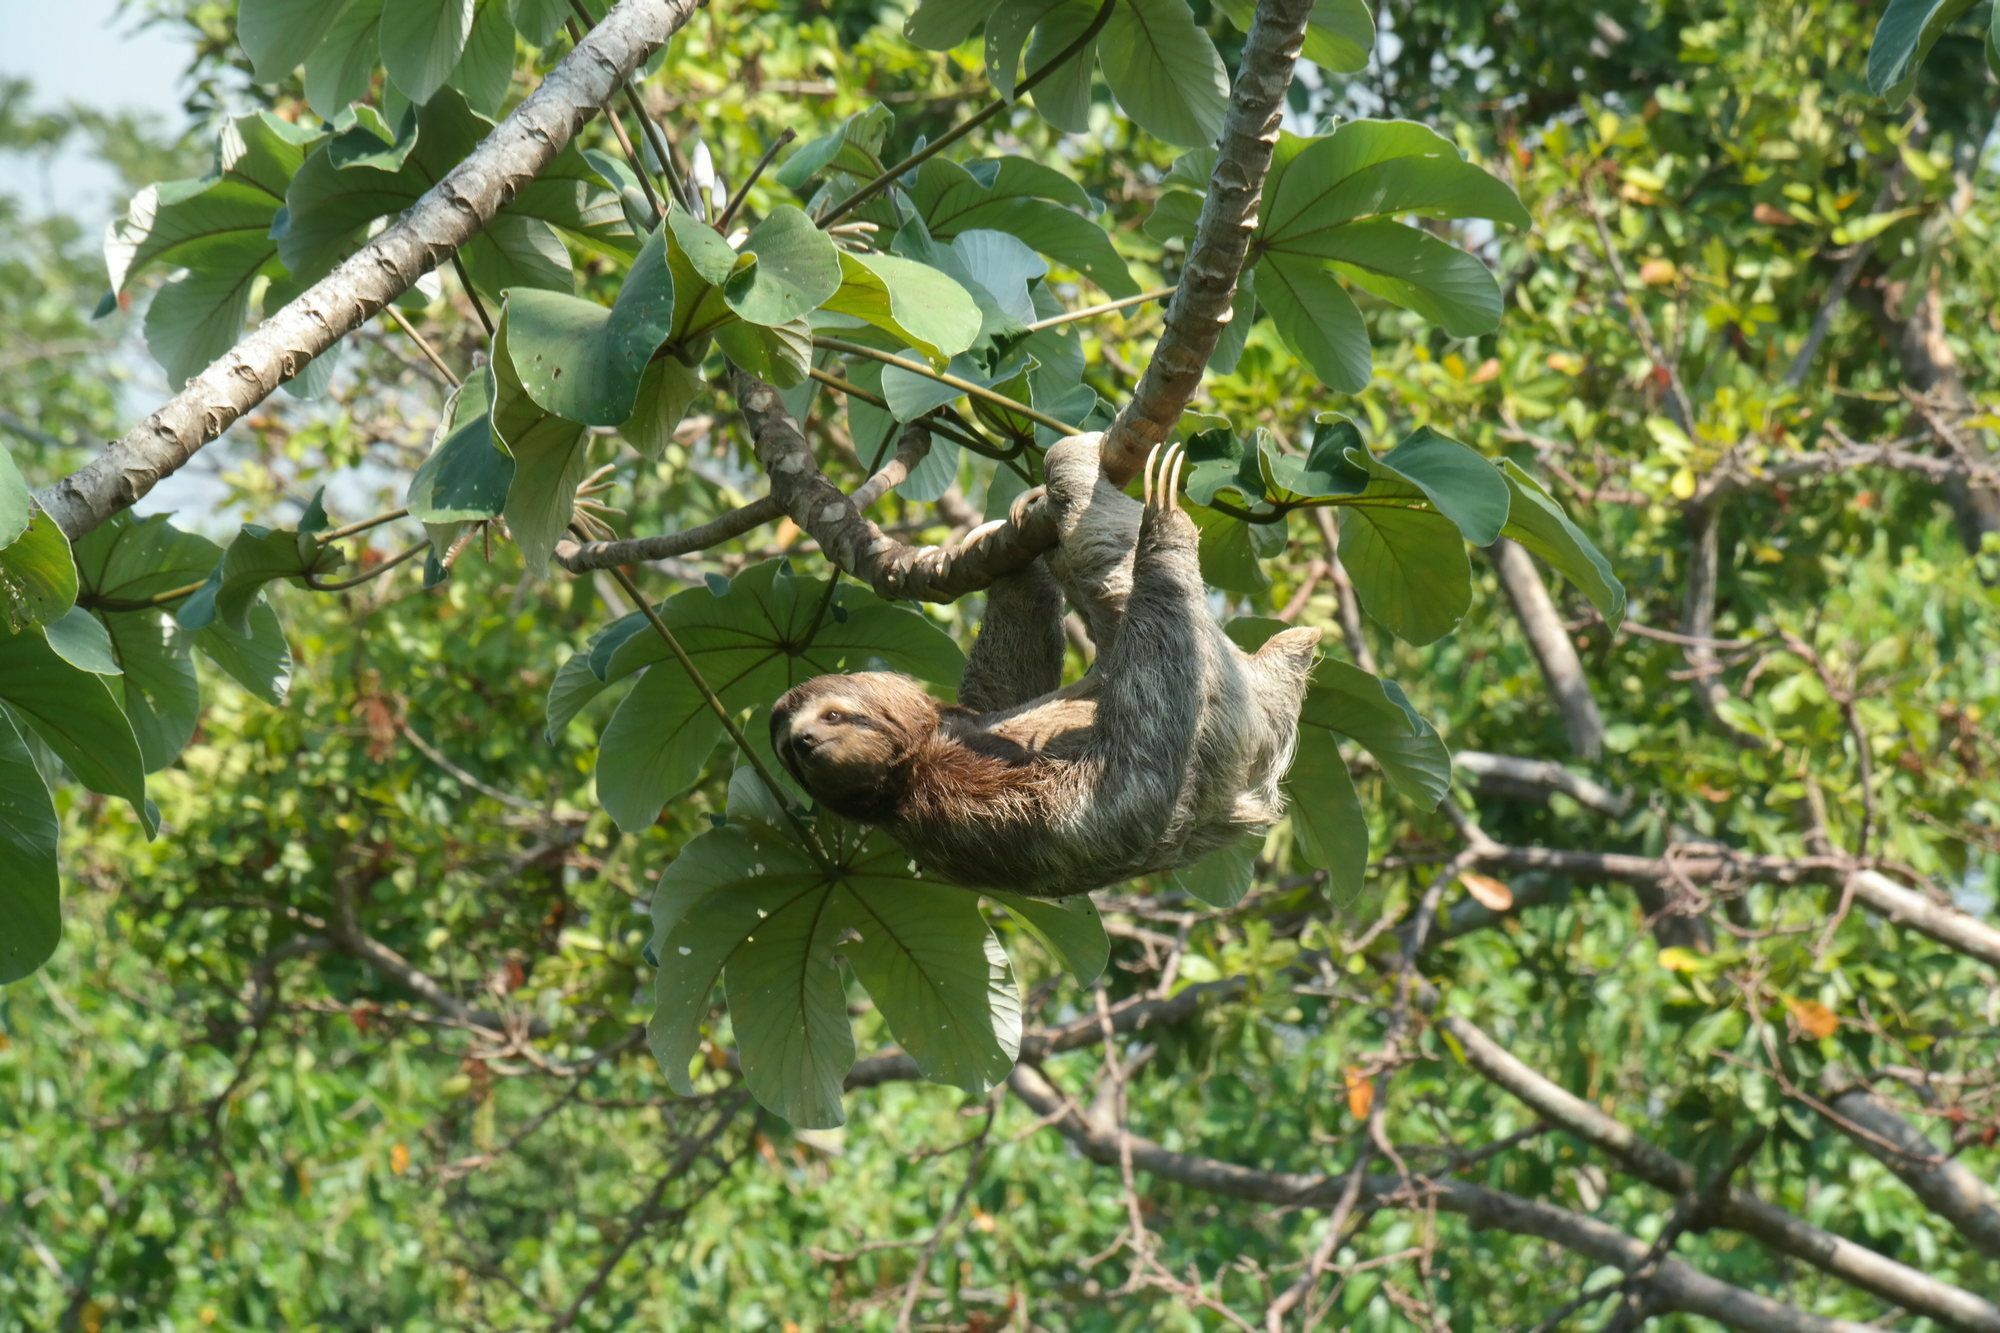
[1018, 655]
[1153, 688]
[1098, 524]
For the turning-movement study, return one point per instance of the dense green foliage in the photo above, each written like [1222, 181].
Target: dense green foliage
[359, 1039]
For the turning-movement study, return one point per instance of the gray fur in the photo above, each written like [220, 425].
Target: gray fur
[1173, 744]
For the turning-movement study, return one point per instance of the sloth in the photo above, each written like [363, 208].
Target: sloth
[1171, 745]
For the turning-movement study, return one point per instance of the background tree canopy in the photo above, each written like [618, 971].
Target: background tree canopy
[403, 918]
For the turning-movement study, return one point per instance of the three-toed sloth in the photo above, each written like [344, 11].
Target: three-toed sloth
[1171, 745]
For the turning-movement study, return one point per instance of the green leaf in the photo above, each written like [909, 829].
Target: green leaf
[1457, 482]
[654, 748]
[340, 70]
[854, 148]
[1412, 269]
[1379, 169]
[75, 713]
[218, 229]
[936, 973]
[551, 457]
[954, 201]
[797, 268]
[1408, 567]
[939, 25]
[157, 687]
[1538, 523]
[467, 476]
[81, 640]
[37, 574]
[1340, 34]
[1164, 71]
[278, 35]
[30, 887]
[666, 391]
[1317, 320]
[1348, 701]
[1063, 95]
[1222, 877]
[582, 361]
[1904, 36]
[913, 302]
[128, 560]
[486, 69]
[421, 43]
[779, 354]
[258, 556]
[745, 904]
[1326, 812]
[1072, 928]
[260, 661]
[751, 643]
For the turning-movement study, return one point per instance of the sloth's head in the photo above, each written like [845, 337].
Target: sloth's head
[850, 740]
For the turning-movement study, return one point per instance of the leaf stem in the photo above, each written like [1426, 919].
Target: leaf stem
[983, 447]
[736, 200]
[964, 386]
[402, 322]
[374, 572]
[356, 529]
[1091, 312]
[654, 137]
[465, 280]
[976, 119]
[721, 711]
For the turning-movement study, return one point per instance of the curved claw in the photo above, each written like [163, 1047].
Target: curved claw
[1017, 513]
[1162, 473]
[1172, 499]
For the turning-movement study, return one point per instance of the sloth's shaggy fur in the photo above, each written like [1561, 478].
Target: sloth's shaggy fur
[1171, 745]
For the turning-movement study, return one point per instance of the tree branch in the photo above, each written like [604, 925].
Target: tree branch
[1202, 300]
[449, 214]
[1675, 1284]
[1910, 1288]
[1948, 1188]
[1551, 645]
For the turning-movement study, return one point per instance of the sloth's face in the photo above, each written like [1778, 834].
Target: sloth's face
[847, 739]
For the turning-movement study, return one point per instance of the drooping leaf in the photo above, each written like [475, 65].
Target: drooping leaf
[486, 68]
[74, 712]
[467, 476]
[1457, 482]
[1164, 71]
[1409, 568]
[422, 41]
[1537, 522]
[954, 201]
[278, 35]
[796, 269]
[37, 574]
[217, 229]
[1222, 877]
[1317, 320]
[931, 964]
[1905, 34]
[655, 746]
[1375, 713]
[1072, 928]
[914, 302]
[550, 455]
[258, 556]
[747, 902]
[666, 391]
[30, 887]
[583, 361]
[81, 640]
[341, 67]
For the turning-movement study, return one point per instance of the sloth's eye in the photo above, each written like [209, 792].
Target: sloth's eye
[833, 716]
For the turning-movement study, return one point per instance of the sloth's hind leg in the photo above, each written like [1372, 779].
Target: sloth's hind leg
[1018, 655]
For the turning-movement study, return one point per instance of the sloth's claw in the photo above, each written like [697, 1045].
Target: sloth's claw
[1162, 474]
[1017, 513]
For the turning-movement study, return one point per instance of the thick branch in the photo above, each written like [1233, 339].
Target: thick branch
[1913, 1290]
[1202, 301]
[850, 540]
[1551, 645]
[448, 215]
[1674, 1284]
[1947, 1187]
[1927, 916]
